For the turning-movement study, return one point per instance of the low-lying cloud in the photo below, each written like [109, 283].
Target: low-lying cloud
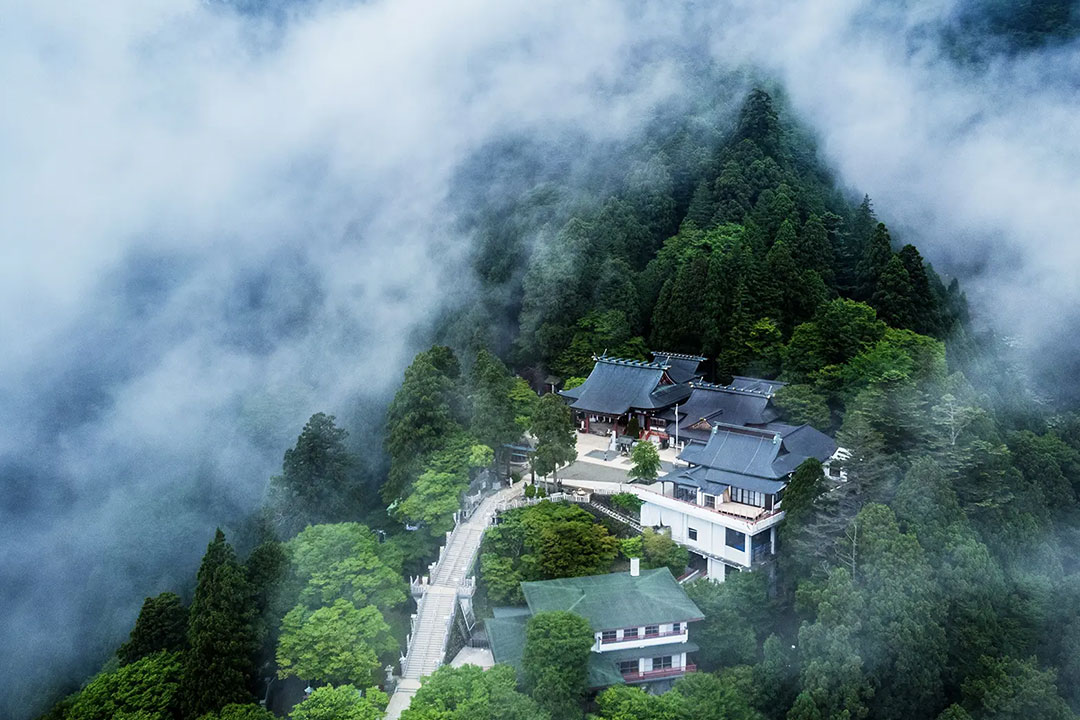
[216, 224]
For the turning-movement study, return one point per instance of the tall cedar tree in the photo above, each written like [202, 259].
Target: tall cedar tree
[893, 295]
[801, 533]
[219, 666]
[266, 568]
[426, 410]
[874, 260]
[493, 413]
[556, 443]
[161, 625]
[813, 250]
[926, 318]
[759, 122]
[316, 484]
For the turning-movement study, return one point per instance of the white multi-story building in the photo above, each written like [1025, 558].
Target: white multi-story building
[725, 505]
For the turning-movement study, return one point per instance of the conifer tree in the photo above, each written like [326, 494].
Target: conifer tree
[702, 206]
[490, 384]
[219, 666]
[812, 249]
[873, 262]
[926, 316]
[426, 410]
[760, 123]
[553, 427]
[893, 296]
[161, 625]
[317, 482]
[678, 323]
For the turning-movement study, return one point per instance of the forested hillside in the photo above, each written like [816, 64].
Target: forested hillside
[940, 581]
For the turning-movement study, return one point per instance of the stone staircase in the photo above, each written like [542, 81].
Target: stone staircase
[438, 600]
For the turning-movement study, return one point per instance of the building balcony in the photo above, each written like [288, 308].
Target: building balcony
[639, 638]
[747, 513]
[657, 674]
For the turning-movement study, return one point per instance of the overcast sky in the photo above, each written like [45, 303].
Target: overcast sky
[215, 225]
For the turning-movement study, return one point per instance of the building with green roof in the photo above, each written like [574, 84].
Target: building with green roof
[640, 620]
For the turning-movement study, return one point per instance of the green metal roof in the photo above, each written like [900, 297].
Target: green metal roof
[507, 637]
[603, 672]
[615, 600]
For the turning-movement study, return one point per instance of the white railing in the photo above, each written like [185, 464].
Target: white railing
[421, 585]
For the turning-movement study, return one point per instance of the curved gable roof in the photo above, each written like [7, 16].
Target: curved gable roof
[615, 386]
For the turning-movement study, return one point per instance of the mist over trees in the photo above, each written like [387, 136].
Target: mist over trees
[713, 232]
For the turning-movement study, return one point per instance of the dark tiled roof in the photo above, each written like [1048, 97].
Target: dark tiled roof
[804, 441]
[721, 404]
[749, 384]
[681, 368]
[751, 458]
[615, 386]
[747, 451]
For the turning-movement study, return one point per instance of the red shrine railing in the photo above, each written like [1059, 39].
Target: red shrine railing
[653, 674]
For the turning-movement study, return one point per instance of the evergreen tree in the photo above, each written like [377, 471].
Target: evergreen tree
[219, 666]
[760, 123]
[893, 296]
[852, 246]
[493, 412]
[873, 262]
[556, 441]
[161, 625]
[926, 311]
[425, 412]
[317, 481]
[267, 568]
[678, 322]
[148, 688]
[813, 251]
[702, 206]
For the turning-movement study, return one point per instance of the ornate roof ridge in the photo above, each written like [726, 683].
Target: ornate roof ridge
[631, 363]
[702, 385]
[680, 356]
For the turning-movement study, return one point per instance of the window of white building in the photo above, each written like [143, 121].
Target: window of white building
[747, 497]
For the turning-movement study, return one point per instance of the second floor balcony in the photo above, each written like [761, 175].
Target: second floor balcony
[658, 674]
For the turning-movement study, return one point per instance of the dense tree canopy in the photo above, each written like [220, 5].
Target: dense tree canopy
[555, 661]
[339, 643]
[469, 693]
[541, 542]
[345, 560]
[344, 702]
